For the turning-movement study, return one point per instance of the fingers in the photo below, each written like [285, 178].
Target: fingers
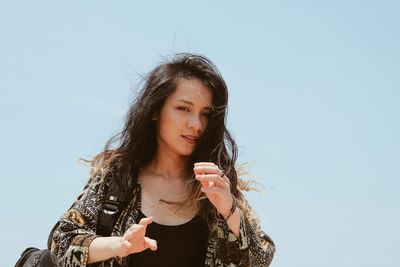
[150, 243]
[226, 179]
[133, 231]
[208, 180]
[209, 175]
[213, 190]
[207, 167]
[143, 223]
[146, 221]
[136, 228]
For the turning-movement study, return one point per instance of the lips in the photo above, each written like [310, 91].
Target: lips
[190, 139]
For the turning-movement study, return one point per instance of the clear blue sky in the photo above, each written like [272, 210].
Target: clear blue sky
[314, 106]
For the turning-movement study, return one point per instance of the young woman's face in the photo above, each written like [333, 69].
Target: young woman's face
[184, 118]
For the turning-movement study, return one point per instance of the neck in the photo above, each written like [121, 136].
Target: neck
[168, 166]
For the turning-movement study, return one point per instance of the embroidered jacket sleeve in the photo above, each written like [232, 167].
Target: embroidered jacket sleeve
[253, 247]
[77, 227]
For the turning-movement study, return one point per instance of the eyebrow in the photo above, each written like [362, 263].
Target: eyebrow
[191, 103]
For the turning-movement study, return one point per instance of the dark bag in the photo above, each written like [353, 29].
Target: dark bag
[116, 200]
[34, 257]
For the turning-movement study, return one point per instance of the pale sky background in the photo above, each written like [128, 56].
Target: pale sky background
[314, 106]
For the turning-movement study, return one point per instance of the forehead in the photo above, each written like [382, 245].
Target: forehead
[194, 91]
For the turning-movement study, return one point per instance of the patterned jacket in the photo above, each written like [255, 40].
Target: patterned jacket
[77, 228]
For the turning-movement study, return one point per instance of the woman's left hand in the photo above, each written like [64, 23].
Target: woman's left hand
[215, 185]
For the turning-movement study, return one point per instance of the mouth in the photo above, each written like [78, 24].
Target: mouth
[190, 139]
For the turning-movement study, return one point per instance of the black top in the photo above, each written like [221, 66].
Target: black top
[178, 245]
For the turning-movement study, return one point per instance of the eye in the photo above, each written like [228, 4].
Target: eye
[207, 114]
[183, 109]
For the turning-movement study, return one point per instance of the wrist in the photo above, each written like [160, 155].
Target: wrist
[228, 215]
[103, 248]
[117, 246]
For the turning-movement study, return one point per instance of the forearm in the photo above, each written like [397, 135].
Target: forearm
[103, 248]
[234, 222]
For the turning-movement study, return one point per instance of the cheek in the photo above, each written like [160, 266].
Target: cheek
[170, 122]
[205, 123]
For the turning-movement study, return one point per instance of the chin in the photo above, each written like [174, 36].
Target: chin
[186, 153]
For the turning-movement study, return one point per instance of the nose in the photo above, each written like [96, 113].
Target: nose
[195, 123]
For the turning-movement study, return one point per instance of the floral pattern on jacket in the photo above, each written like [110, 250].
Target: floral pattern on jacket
[77, 229]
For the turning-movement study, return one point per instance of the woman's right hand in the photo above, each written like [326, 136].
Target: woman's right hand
[134, 239]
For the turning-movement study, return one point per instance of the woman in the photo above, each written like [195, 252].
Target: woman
[176, 161]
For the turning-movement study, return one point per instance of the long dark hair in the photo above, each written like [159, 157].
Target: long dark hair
[137, 143]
